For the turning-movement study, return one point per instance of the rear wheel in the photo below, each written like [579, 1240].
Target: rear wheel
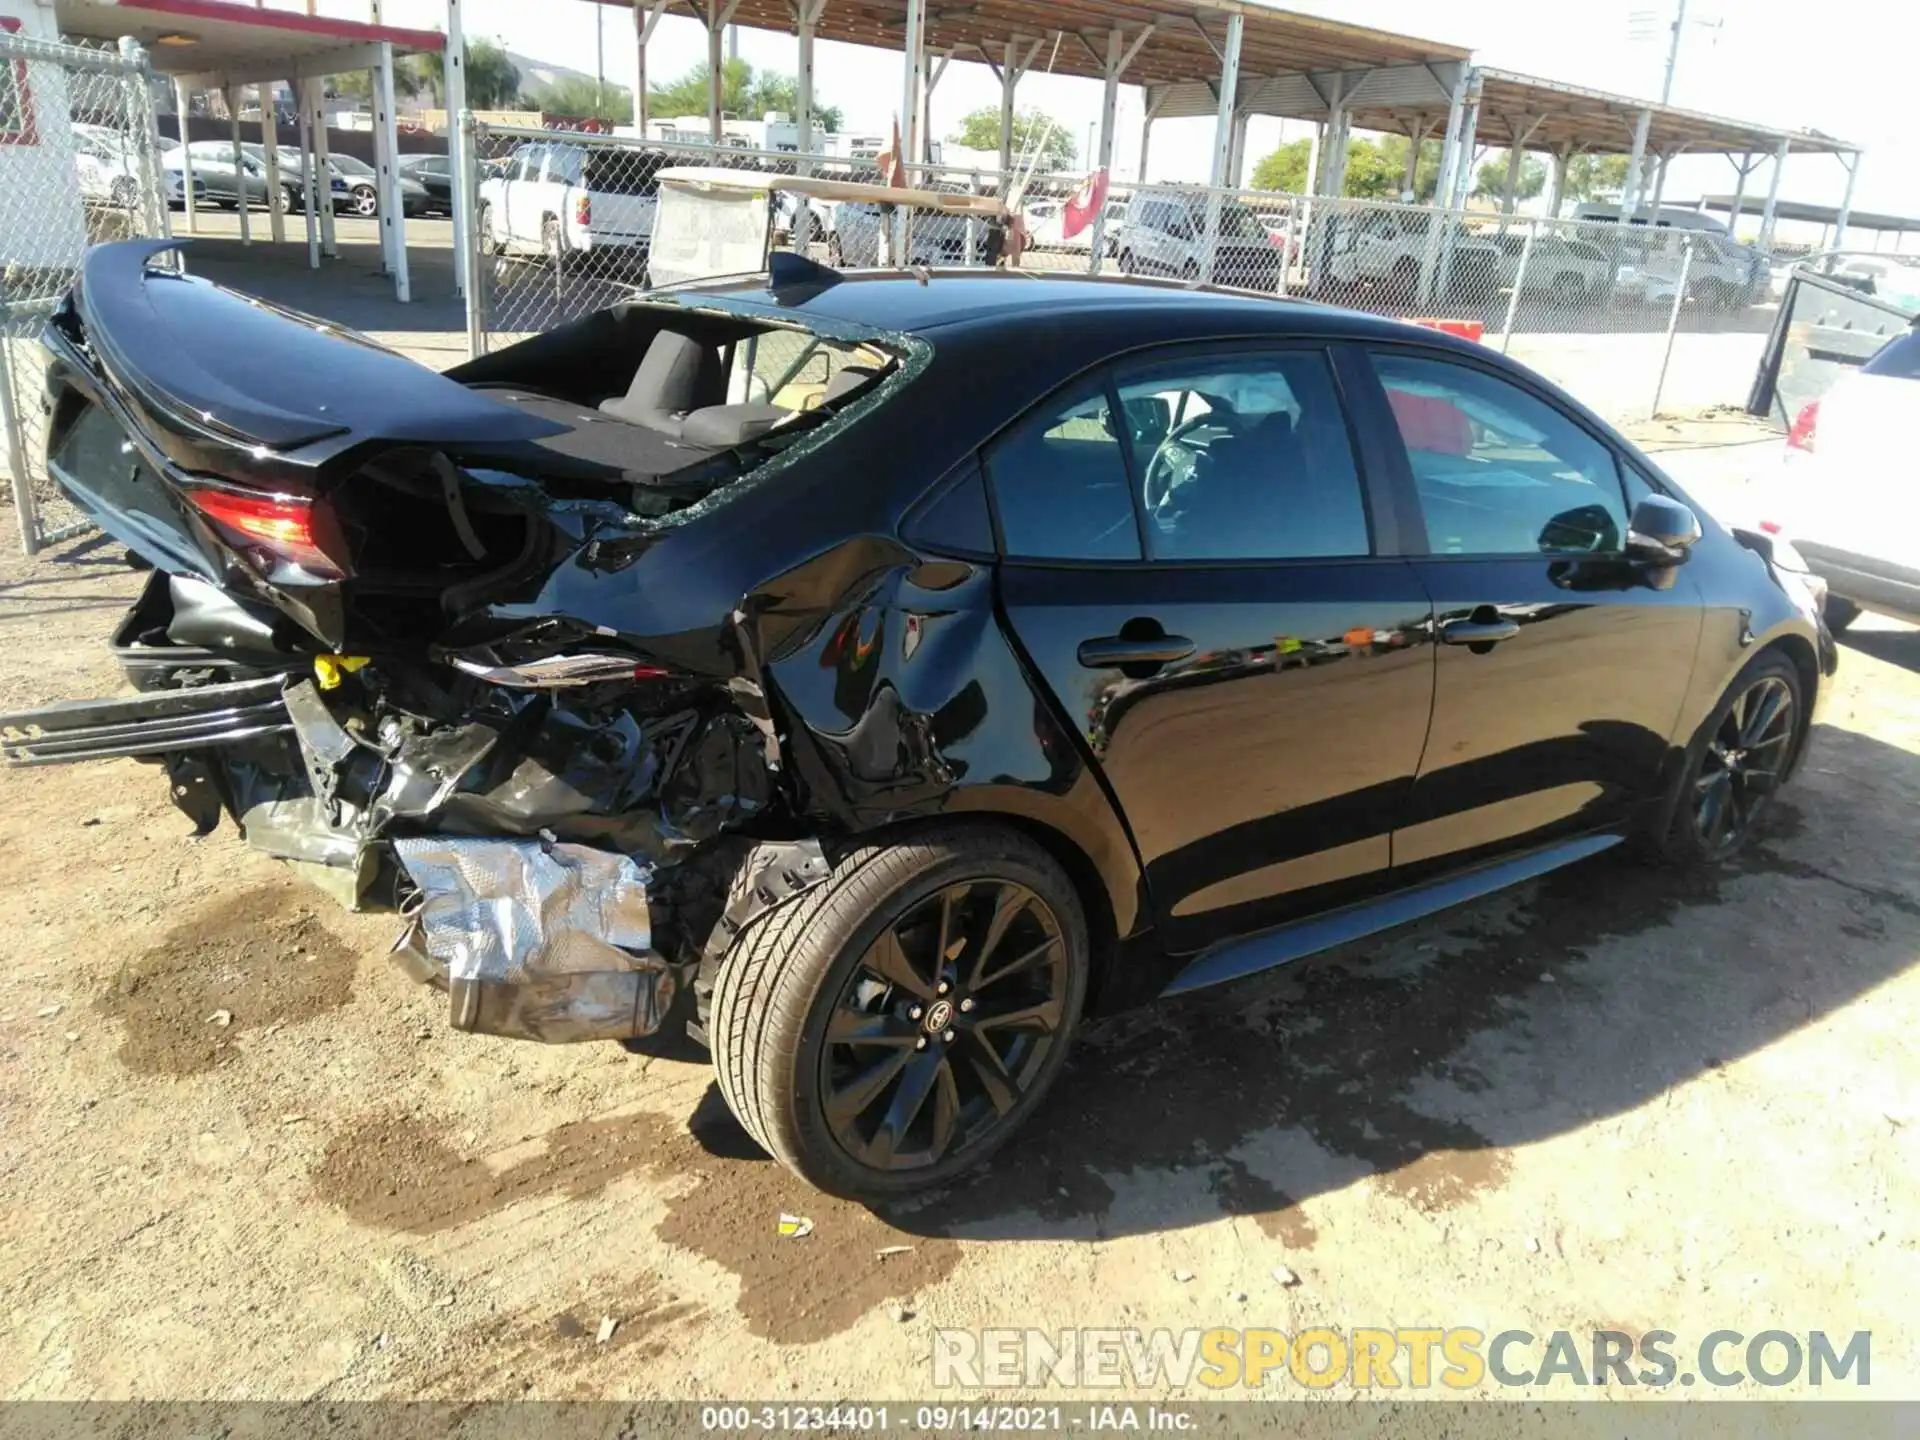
[1840, 613]
[124, 194]
[1736, 763]
[366, 202]
[553, 243]
[489, 243]
[893, 1026]
[1126, 263]
[836, 255]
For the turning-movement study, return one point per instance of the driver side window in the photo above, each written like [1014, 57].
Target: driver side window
[1243, 457]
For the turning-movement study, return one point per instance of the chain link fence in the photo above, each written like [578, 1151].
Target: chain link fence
[79, 165]
[1618, 314]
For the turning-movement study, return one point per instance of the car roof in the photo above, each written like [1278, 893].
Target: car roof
[1021, 300]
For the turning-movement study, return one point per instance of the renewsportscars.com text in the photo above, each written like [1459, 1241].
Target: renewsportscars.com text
[1383, 1359]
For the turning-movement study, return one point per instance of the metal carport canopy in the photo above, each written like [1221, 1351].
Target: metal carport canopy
[235, 43]
[1558, 116]
[1187, 41]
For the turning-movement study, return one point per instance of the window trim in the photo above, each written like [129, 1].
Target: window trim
[1416, 543]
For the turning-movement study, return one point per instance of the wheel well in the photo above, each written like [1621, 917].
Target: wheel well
[1082, 874]
[1807, 665]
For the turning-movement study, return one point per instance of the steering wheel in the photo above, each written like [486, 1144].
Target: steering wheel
[1174, 460]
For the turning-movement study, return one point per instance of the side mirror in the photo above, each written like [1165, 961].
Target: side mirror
[1661, 531]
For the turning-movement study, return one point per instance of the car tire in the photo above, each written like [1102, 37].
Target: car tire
[850, 1062]
[365, 202]
[123, 194]
[489, 243]
[1190, 271]
[1567, 289]
[1406, 279]
[1839, 613]
[553, 243]
[1738, 758]
[836, 254]
[1127, 266]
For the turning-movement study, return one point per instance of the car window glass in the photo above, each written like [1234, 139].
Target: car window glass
[563, 163]
[1898, 359]
[1060, 482]
[1244, 458]
[1499, 471]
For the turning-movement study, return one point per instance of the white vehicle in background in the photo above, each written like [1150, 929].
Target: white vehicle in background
[556, 198]
[1886, 278]
[855, 229]
[1846, 491]
[1566, 271]
[1391, 248]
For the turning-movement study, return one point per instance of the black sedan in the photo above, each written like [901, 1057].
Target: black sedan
[874, 676]
[433, 174]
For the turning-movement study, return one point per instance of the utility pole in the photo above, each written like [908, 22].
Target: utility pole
[599, 59]
[1673, 51]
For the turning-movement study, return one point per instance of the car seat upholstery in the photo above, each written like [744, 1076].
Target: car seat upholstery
[676, 375]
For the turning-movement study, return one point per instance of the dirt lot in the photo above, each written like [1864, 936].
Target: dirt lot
[243, 1157]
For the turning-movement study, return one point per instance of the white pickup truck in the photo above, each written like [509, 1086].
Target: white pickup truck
[557, 199]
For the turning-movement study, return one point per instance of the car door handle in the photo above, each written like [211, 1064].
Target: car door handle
[1111, 650]
[1478, 632]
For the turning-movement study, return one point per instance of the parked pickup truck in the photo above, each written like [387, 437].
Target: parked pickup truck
[559, 198]
[1387, 247]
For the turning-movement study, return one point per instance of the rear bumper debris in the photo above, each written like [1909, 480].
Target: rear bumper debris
[536, 939]
[152, 724]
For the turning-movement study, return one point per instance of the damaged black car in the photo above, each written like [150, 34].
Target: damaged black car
[873, 676]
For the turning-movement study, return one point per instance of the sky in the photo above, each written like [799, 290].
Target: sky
[1843, 67]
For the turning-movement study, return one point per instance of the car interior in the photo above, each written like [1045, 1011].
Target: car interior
[646, 393]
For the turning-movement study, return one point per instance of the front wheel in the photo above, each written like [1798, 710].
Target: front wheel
[1737, 762]
[366, 201]
[895, 1025]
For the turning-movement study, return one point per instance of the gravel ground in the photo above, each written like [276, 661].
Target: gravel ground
[245, 1158]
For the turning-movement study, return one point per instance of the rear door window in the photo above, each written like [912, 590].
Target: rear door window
[1898, 359]
[1060, 482]
[1243, 456]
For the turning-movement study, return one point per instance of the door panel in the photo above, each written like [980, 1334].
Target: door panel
[1262, 774]
[1191, 578]
[1560, 666]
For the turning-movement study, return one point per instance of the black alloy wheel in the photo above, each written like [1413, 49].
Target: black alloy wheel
[944, 1024]
[1743, 764]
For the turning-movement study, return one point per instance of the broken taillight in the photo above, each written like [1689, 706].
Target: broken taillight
[1800, 437]
[274, 530]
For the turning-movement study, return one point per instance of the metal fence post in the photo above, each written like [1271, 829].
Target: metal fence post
[158, 216]
[465, 217]
[24, 508]
[1673, 321]
[1519, 284]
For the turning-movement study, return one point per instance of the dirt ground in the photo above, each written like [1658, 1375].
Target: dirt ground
[243, 1157]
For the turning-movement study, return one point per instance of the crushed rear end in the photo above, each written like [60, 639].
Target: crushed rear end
[392, 633]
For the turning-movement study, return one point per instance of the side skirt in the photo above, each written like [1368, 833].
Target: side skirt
[1322, 932]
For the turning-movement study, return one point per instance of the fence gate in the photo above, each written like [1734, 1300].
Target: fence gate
[79, 164]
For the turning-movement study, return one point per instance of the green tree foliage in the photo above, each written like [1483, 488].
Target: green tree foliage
[581, 97]
[1490, 182]
[745, 93]
[1032, 129]
[1376, 169]
[493, 81]
[1596, 177]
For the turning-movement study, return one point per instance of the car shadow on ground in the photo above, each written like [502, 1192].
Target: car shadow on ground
[1896, 646]
[1422, 1056]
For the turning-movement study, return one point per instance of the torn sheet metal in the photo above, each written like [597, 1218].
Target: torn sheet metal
[539, 940]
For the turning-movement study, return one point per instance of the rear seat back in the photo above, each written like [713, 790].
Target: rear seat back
[676, 375]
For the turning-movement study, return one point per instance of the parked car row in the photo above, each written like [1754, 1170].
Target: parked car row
[230, 179]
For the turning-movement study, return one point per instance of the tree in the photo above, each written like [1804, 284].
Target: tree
[581, 97]
[1033, 130]
[1375, 168]
[1596, 177]
[745, 93]
[1490, 181]
[493, 81]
